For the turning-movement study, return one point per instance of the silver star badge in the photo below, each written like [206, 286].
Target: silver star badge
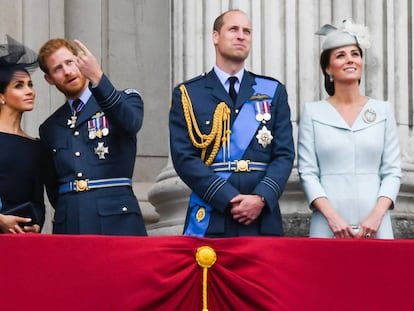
[264, 137]
[101, 150]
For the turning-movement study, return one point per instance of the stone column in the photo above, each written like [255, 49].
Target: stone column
[170, 196]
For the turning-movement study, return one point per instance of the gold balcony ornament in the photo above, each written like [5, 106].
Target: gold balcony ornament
[206, 258]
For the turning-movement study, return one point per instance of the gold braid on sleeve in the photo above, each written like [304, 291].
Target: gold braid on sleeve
[220, 130]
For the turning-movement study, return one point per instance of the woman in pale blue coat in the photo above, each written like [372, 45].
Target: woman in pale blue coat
[348, 146]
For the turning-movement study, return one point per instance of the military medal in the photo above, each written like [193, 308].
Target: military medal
[91, 129]
[266, 109]
[105, 127]
[259, 115]
[76, 107]
[99, 133]
[98, 124]
[72, 121]
[92, 134]
[369, 115]
[264, 137]
[101, 150]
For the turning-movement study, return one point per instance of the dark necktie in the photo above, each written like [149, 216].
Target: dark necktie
[232, 90]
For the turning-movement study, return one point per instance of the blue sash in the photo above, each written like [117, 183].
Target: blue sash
[242, 132]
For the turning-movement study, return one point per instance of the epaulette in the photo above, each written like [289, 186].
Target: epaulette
[131, 91]
[203, 75]
[264, 77]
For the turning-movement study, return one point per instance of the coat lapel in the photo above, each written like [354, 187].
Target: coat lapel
[246, 89]
[327, 114]
[217, 89]
[370, 115]
[64, 113]
[88, 111]
[219, 92]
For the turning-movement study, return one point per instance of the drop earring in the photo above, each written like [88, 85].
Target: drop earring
[331, 78]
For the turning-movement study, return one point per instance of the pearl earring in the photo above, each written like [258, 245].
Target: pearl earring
[331, 78]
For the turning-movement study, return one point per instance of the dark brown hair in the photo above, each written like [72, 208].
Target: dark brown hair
[324, 62]
[6, 75]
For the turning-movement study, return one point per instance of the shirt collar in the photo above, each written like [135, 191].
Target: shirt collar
[223, 77]
[86, 94]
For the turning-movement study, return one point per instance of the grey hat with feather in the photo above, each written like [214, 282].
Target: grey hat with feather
[347, 34]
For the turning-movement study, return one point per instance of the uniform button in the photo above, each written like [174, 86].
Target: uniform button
[76, 133]
[207, 122]
[236, 111]
[54, 150]
[79, 174]
[77, 153]
[125, 209]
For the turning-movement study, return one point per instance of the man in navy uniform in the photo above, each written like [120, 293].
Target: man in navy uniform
[92, 140]
[231, 140]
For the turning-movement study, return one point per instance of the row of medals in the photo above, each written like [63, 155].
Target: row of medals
[264, 136]
[98, 126]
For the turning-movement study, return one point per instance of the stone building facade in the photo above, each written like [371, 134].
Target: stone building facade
[152, 45]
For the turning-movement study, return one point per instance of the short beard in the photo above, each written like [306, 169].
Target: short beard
[73, 93]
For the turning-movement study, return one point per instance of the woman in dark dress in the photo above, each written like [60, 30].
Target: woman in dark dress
[21, 156]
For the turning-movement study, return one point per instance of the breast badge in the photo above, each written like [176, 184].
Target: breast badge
[201, 213]
[101, 150]
[264, 137]
[369, 115]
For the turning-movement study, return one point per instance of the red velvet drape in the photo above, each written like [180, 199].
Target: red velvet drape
[76, 273]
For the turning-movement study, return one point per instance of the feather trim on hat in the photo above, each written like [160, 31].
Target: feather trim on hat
[360, 32]
[348, 33]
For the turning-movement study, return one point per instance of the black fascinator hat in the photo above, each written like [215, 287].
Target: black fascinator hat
[14, 56]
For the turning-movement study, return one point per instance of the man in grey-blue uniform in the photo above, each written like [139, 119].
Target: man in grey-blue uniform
[92, 142]
[231, 140]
